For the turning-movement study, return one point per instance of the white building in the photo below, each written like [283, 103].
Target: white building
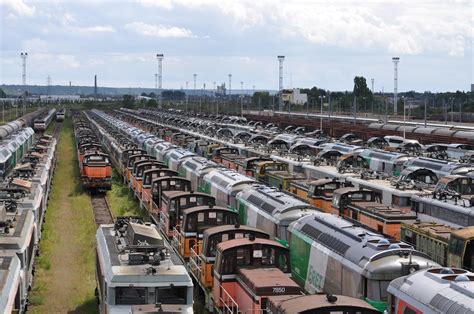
[294, 96]
[49, 98]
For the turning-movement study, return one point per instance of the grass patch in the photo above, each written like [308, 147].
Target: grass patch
[51, 127]
[122, 201]
[65, 279]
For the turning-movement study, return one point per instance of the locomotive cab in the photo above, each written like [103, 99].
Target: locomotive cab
[148, 177]
[163, 184]
[344, 196]
[174, 202]
[238, 254]
[138, 169]
[203, 263]
[198, 219]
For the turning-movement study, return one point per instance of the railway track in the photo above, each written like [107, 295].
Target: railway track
[101, 209]
[57, 130]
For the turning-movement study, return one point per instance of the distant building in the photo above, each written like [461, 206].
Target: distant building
[221, 90]
[146, 98]
[472, 88]
[294, 96]
[51, 98]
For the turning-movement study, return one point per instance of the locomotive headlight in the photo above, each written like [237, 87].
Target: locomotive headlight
[412, 270]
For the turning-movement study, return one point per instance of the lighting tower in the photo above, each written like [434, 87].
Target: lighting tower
[24, 55]
[160, 57]
[395, 83]
[230, 85]
[280, 80]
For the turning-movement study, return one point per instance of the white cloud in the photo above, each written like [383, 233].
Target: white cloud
[401, 27]
[164, 4]
[96, 29]
[65, 60]
[159, 30]
[35, 44]
[18, 7]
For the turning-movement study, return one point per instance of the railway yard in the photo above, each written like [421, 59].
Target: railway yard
[162, 211]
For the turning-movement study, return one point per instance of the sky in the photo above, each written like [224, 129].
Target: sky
[325, 43]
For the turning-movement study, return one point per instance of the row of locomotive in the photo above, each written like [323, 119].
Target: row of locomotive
[307, 157]
[293, 138]
[42, 122]
[24, 193]
[317, 240]
[94, 164]
[372, 200]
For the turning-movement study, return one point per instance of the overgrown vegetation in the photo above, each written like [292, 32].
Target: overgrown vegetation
[122, 200]
[64, 280]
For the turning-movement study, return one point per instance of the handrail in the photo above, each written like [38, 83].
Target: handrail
[229, 304]
[195, 263]
[176, 238]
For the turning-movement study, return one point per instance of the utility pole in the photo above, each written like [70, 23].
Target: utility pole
[355, 110]
[330, 107]
[194, 91]
[187, 96]
[230, 87]
[452, 110]
[372, 81]
[445, 106]
[425, 112]
[321, 115]
[241, 98]
[404, 125]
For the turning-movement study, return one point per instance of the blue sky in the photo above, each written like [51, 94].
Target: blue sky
[326, 43]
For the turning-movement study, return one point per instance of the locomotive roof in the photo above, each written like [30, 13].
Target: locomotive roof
[198, 163]
[437, 290]
[9, 278]
[263, 281]
[226, 228]
[462, 206]
[383, 154]
[272, 200]
[21, 227]
[205, 208]
[434, 229]
[115, 251]
[227, 178]
[176, 194]
[356, 244]
[234, 243]
[179, 153]
[384, 211]
[384, 185]
[297, 304]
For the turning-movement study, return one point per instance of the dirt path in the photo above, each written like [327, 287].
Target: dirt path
[64, 281]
